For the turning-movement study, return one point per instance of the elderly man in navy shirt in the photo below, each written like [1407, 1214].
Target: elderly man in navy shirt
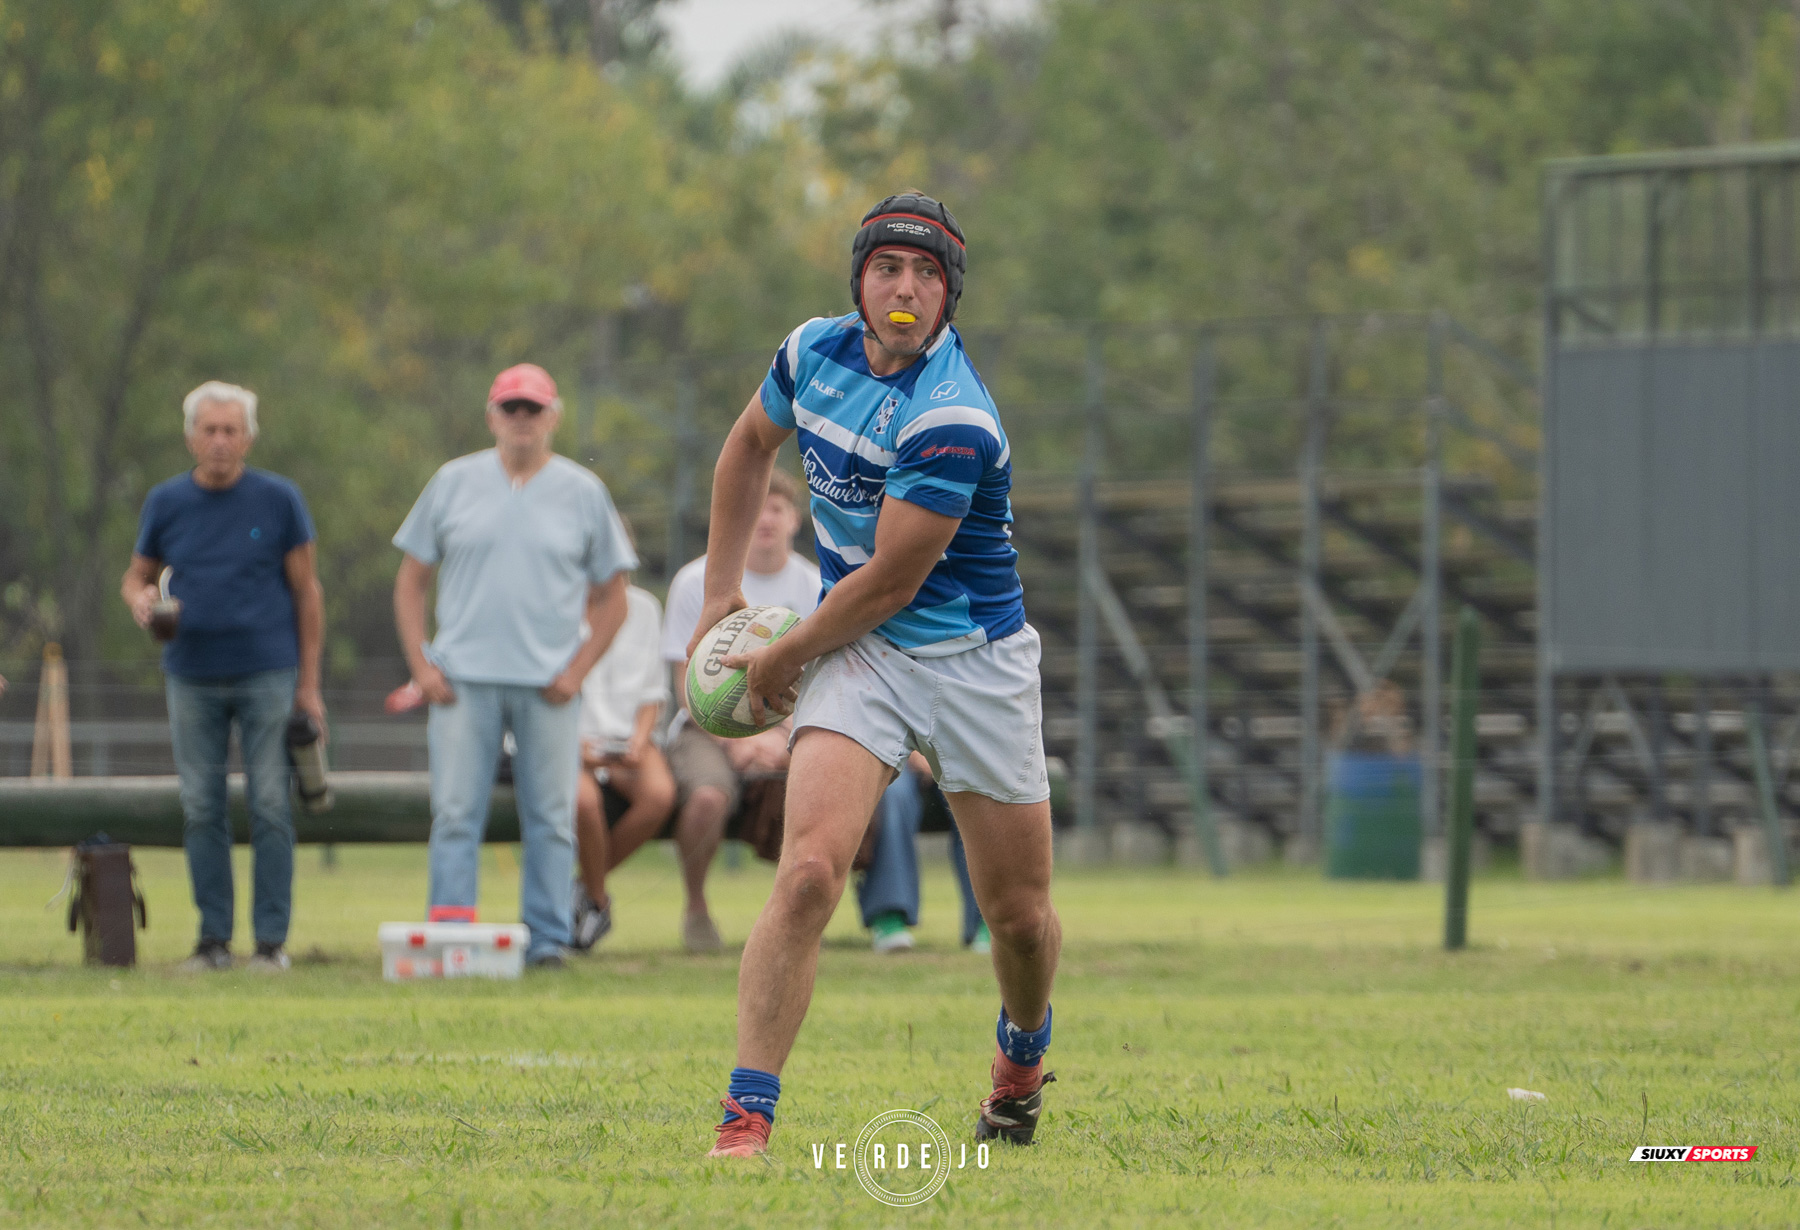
[239, 543]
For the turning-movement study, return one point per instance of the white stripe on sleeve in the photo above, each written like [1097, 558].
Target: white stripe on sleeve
[949, 416]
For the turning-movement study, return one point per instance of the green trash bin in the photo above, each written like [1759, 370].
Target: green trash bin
[1372, 817]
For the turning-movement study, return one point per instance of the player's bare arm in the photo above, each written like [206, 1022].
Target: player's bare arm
[740, 484]
[909, 540]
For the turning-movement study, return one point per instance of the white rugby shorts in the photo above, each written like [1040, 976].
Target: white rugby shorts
[976, 716]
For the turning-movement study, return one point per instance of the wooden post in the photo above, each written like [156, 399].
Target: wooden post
[1466, 682]
[50, 754]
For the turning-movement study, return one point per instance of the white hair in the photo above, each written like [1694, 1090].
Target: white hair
[218, 390]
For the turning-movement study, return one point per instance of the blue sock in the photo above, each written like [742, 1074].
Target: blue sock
[754, 1090]
[1022, 1047]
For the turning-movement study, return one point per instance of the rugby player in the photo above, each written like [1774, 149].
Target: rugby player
[920, 643]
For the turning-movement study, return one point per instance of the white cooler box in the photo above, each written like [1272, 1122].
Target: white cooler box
[452, 950]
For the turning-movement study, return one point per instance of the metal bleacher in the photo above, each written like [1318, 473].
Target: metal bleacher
[1369, 573]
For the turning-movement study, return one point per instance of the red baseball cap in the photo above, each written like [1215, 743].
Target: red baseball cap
[523, 382]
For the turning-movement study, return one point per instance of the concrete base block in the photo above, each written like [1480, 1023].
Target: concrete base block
[1188, 850]
[1434, 856]
[1750, 856]
[1083, 847]
[1242, 843]
[1559, 852]
[1300, 851]
[1139, 844]
[1652, 853]
[1706, 859]
[1246, 844]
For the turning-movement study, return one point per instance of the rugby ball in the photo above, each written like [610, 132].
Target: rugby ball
[718, 696]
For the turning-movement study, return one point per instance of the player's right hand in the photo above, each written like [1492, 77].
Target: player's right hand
[434, 685]
[710, 615]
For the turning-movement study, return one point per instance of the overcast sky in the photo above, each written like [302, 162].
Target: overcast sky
[710, 35]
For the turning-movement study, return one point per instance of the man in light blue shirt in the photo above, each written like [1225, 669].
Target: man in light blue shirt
[526, 544]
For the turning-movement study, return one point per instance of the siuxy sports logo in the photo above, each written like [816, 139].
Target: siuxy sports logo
[1693, 1153]
[901, 1158]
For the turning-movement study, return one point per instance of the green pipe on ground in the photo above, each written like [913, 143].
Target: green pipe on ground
[146, 811]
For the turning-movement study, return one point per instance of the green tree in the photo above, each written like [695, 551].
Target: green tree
[150, 157]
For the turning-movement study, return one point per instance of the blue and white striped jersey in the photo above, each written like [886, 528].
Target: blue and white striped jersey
[928, 435]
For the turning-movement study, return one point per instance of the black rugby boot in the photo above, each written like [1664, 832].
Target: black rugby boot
[1011, 1112]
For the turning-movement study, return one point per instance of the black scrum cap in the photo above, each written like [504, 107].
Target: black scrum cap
[912, 220]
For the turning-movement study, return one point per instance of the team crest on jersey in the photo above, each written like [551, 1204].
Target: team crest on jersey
[885, 415]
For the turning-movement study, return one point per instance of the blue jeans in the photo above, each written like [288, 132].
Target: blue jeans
[891, 884]
[200, 715]
[464, 738]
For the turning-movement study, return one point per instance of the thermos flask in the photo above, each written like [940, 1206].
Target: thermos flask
[307, 752]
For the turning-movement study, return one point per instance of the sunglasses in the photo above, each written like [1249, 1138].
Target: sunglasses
[518, 405]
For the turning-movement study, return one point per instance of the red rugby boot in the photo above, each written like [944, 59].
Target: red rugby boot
[745, 1136]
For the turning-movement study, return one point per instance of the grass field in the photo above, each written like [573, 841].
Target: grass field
[1267, 1051]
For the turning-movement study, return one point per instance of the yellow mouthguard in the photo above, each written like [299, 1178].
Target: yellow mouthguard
[902, 318]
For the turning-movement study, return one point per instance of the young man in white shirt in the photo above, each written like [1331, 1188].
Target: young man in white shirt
[622, 703]
[709, 771]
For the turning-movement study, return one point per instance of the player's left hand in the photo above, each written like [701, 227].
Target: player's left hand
[773, 680]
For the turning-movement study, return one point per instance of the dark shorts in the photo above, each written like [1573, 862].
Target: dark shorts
[753, 806]
[614, 805]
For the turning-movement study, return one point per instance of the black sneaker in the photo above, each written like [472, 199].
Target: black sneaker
[592, 922]
[270, 959]
[1011, 1112]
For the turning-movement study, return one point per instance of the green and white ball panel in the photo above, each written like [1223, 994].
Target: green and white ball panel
[718, 698]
